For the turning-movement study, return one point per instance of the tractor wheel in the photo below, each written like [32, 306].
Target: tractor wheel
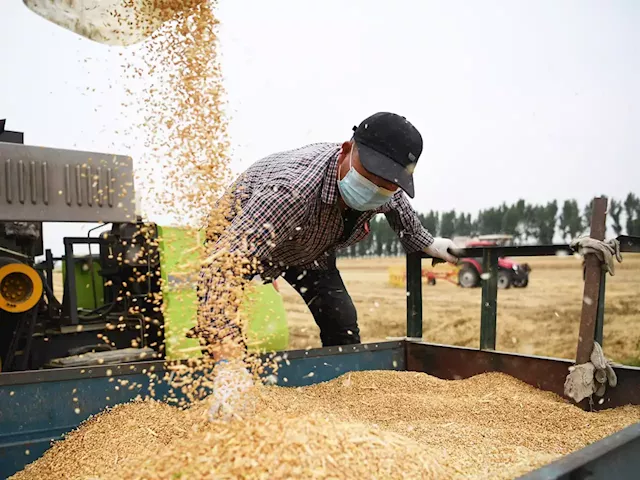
[504, 279]
[431, 281]
[468, 277]
[521, 283]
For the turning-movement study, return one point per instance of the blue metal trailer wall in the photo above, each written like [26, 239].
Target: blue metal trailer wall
[38, 407]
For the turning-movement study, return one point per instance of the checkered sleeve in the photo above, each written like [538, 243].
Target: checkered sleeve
[405, 222]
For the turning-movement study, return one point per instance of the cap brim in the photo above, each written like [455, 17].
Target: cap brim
[382, 166]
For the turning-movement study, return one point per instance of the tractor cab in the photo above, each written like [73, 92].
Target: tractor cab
[510, 273]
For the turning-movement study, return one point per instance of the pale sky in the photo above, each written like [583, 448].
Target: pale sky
[514, 99]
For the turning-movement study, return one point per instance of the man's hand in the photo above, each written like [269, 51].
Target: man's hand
[232, 396]
[443, 249]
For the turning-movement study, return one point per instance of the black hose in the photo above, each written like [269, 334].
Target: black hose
[94, 315]
[50, 295]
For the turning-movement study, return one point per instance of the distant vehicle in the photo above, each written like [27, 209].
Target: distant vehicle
[510, 273]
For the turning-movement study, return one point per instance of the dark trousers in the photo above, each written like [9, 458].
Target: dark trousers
[329, 302]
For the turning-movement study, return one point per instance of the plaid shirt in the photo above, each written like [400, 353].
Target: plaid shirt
[289, 213]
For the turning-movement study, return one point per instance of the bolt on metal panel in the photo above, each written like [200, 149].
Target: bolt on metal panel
[56, 185]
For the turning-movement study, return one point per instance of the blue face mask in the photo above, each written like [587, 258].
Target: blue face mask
[360, 193]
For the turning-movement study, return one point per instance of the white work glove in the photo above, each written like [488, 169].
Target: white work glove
[443, 249]
[231, 396]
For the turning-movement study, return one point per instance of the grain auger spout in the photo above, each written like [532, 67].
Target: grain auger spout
[112, 22]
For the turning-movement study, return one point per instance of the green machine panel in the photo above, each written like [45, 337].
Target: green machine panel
[181, 250]
[89, 288]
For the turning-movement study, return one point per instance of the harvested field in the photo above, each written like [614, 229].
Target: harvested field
[541, 319]
[360, 425]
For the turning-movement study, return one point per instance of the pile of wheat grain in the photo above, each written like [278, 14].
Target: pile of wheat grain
[146, 440]
[488, 426]
[380, 424]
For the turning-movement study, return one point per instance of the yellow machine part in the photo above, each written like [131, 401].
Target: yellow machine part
[397, 276]
[20, 287]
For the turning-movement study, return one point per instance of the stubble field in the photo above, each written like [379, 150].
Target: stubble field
[542, 319]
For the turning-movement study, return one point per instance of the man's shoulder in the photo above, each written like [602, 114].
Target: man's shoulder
[306, 163]
[398, 202]
[301, 156]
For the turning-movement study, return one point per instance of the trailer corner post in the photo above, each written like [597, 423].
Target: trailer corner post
[414, 295]
[489, 310]
[592, 278]
[600, 319]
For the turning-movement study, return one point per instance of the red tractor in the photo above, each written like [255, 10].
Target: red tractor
[510, 273]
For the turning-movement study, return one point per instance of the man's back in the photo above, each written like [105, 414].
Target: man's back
[294, 190]
[300, 171]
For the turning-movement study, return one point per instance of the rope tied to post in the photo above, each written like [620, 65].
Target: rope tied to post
[606, 250]
[590, 378]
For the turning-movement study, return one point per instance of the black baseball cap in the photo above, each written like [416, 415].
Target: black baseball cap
[389, 147]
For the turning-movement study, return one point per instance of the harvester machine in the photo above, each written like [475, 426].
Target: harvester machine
[116, 296]
[108, 306]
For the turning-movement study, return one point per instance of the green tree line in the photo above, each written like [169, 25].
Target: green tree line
[528, 223]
